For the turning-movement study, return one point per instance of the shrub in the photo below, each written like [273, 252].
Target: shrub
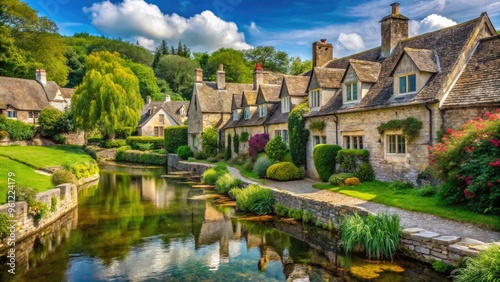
[257, 144]
[308, 217]
[47, 120]
[441, 267]
[324, 157]
[92, 151]
[59, 139]
[62, 176]
[261, 166]
[276, 148]
[175, 136]
[244, 136]
[339, 178]
[134, 140]
[281, 210]
[227, 182]
[351, 181]
[236, 140]
[117, 143]
[295, 214]
[134, 156]
[248, 165]
[82, 169]
[3, 134]
[227, 156]
[184, 152]
[484, 267]
[365, 172]
[210, 176]
[299, 135]
[349, 159]
[400, 185]
[94, 140]
[427, 191]
[221, 167]
[378, 235]
[17, 130]
[36, 209]
[254, 199]
[200, 155]
[209, 141]
[284, 171]
[123, 132]
[120, 153]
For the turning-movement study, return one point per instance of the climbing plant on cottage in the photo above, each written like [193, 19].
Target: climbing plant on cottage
[409, 126]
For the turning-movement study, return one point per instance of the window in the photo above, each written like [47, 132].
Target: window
[161, 119]
[32, 114]
[351, 92]
[277, 133]
[235, 114]
[285, 105]
[318, 140]
[408, 83]
[353, 142]
[262, 110]
[195, 142]
[158, 131]
[11, 114]
[396, 144]
[247, 113]
[285, 136]
[314, 98]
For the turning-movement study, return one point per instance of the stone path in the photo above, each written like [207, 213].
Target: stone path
[408, 219]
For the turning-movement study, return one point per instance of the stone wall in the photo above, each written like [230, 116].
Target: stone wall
[176, 163]
[77, 138]
[455, 118]
[67, 199]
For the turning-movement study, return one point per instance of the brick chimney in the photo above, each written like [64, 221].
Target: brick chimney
[394, 28]
[198, 75]
[41, 76]
[259, 76]
[322, 53]
[221, 78]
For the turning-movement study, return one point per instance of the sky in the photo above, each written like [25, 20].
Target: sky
[292, 25]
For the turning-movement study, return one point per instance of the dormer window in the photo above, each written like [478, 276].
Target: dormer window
[285, 104]
[235, 115]
[247, 113]
[262, 110]
[408, 84]
[314, 98]
[351, 92]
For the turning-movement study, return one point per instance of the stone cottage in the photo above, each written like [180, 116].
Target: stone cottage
[155, 116]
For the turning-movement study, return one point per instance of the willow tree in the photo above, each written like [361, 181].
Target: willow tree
[108, 97]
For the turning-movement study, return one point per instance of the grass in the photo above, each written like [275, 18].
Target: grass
[408, 199]
[47, 156]
[24, 176]
[246, 173]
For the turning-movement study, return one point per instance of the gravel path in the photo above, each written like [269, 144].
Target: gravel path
[408, 218]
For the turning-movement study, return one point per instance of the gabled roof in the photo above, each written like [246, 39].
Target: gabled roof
[172, 108]
[249, 98]
[51, 89]
[366, 71]
[22, 94]
[327, 78]
[294, 86]
[425, 59]
[278, 117]
[212, 100]
[268, 93]
[255, 120]
[67, 92]
[479, 83]
[236, 101]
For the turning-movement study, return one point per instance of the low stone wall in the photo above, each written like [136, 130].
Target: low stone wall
[174, 162]
[25, 225]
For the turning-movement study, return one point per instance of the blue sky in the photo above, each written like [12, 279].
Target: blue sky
[292, 25]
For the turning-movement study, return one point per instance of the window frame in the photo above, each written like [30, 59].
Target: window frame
[351, 88]
[158, 131]
[394, 143]
[315, 98]
[161, 118]
[407, 86]
[285, 104]
[235, 115]
[262, 110]
[246, 113]
[11, 114]
[284, 135]
[353, 141]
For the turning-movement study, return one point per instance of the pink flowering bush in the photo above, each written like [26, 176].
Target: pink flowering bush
[468, 160]
[257, 144]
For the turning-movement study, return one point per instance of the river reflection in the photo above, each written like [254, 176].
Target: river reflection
[137, 226]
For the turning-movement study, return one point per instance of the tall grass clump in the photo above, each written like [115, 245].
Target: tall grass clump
[227, 182]
[254, 199]
[211, 175]
[377, 235]
[484, 267]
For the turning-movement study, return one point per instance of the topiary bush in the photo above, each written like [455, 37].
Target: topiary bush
[261, 165]
[351, 181]
[174, 137]
[62, 176]
[227, 155]
[276, 149]
[284, 171]
[257, 144]
[209, 141]
[365, 172]
[339, 178]
[156, 141]
[236, 141]
[184, 152]
[226, 182]
[299, 135]
[349, 159]
[324, 157]
[254, 199]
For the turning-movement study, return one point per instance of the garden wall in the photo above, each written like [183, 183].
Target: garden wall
[67, 200]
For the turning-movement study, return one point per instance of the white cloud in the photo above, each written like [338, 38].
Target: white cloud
[146, 23]
[351, 41]
[430, 23]
[252, 28]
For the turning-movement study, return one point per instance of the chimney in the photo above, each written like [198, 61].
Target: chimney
[167, 98]
[259, 76]
[221, 78]
[322, 53]
[394, 28]
[41, 76]
[148, 100]
[198, 75]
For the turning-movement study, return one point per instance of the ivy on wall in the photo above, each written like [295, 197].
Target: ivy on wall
[318, 125]
[244, 136]
[409, 126]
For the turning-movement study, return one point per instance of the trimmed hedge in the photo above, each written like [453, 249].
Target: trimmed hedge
[175, 136]
[276, 149]
[324, 157]
[350, 158]
[134, 140]
[121, 152]
[284, 171]
[117, 143]
[62, 176]
[184, 152]
[135, 156]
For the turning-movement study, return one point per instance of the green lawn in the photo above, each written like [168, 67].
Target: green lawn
[46, 156]
[379, 192]
[24, 176]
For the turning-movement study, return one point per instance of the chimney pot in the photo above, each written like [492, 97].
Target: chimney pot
[258, 67]
[323, 40]
[395, 8]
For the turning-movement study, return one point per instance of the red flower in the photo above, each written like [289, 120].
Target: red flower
[489, 184]
[468, 194]
[449, 131]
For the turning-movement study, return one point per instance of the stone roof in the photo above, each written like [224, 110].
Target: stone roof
[479, 83]
[67, 92]
[278, 116]
[22, 94]
[255, 120]
[366, 71]
[249, 98]
[212, 100]
[236, 101]
[425, 59]
[173, 109]
[51, 89]
[449, 44]
[328, 77]
[268, 93]
[294, 86]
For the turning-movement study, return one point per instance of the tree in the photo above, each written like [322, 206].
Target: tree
[108, 97]
[178, 72]
[14, 62]
[202, 59]
[159, 52]
[269, 58]
[148, 84]
[298, 134]
[75, 60]
[297, 66]
[234, 63]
